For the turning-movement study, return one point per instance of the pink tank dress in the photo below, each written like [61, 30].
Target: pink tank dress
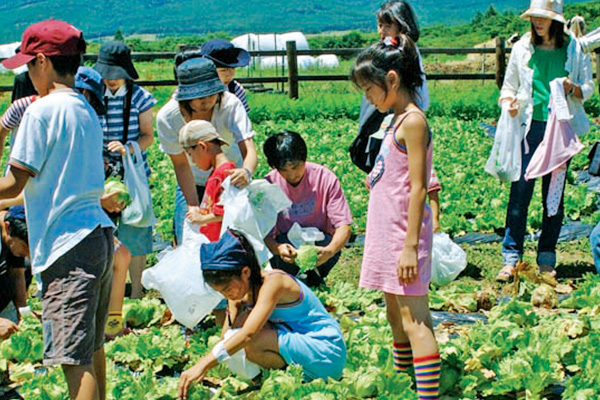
[387, 221]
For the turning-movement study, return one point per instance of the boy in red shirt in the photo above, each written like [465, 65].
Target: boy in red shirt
[202, 143]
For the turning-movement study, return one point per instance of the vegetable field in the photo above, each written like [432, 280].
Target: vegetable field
[511, 342]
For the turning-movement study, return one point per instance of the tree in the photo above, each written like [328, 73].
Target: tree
[490, 12]
[119, 35]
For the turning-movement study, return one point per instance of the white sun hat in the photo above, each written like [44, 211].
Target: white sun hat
[551, 9]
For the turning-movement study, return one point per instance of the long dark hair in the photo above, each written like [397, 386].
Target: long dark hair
[400, 13]
[373, 64]
[556, 32]
[223, 277]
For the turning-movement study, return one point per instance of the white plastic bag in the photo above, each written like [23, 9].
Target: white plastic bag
[253, 211]
[178, 278]
[505, 159]
[139, 213]
[298, 235]
[447, 259]
[238, 363]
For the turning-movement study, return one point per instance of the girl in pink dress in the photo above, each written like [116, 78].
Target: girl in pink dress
[397, 255]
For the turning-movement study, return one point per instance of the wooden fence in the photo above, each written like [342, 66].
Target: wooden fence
[294, 77]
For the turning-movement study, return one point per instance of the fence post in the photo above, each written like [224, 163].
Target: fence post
[292, 57]
[500, 61]
[598, 70]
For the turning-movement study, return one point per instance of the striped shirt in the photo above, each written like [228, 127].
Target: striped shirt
[236, 88]
[12, 117]
[112, 121]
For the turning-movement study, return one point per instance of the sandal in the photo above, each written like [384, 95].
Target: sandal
[506, 274]
[547, 268]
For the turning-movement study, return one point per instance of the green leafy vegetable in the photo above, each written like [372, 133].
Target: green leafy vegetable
[113, 185]
[307, 257]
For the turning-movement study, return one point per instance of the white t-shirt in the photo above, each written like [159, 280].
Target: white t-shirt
[60, 145]
[229, 119]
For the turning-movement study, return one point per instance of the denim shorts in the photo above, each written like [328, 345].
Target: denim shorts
[137, 240]
[75, 300]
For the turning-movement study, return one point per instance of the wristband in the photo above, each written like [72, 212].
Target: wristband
[248, 172]
[220, 352]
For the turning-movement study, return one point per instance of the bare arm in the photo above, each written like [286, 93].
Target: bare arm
[241, 176]
[338, 241]
[434, 203]
[21, 291]
[12, 184]
[14, 201]
[146, 129]
[414, 134]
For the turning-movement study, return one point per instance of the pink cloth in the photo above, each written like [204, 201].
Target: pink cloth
[387, 221]
[559, 145]
[318, 201]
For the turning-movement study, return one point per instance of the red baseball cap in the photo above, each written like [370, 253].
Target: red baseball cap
[51, 37]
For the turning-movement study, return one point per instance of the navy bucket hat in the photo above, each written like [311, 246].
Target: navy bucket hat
[197, 78]
[226, 254]
[225, 54]
[90, 79]
[114, 62]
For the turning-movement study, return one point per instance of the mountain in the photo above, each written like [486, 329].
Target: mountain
[166, 17]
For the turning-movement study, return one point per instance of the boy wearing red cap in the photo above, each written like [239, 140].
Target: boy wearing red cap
[57, 162]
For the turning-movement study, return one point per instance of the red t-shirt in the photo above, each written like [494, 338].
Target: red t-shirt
[211, 198]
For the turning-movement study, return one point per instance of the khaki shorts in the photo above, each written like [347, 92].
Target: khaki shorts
[76, 292]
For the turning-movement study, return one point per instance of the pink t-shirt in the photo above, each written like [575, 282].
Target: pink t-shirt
[318, 201]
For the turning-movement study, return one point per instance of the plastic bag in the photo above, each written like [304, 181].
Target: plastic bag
[505, 159]
[238, 363]
[253, 211]
[298, 235]
[447, 259]
[139, 213]
[178, 278]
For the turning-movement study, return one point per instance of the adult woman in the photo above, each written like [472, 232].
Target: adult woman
[281, 320]
[542, 55]
[198, 84]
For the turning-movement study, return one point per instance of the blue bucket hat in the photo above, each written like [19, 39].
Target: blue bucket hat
[226, 254]
[197, 78]
[90, 79]
[225, 54]
[17, 212]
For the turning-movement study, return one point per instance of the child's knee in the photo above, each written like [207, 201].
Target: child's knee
[122, 258]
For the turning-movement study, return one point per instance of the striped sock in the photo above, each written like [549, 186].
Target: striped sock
[427, 374]
[402, 355]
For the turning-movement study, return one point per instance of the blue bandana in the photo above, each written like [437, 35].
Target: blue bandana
[225, 254]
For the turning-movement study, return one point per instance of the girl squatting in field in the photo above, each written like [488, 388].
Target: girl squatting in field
[397, 255]
[280, 320]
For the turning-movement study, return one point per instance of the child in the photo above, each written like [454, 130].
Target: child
[128, 118]
[13, 250]
[57, 158]
[397, 255]
[317, 201]
[227, 58]
[89, 82]
[203, 144]
[284, 323]
[202, 95]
